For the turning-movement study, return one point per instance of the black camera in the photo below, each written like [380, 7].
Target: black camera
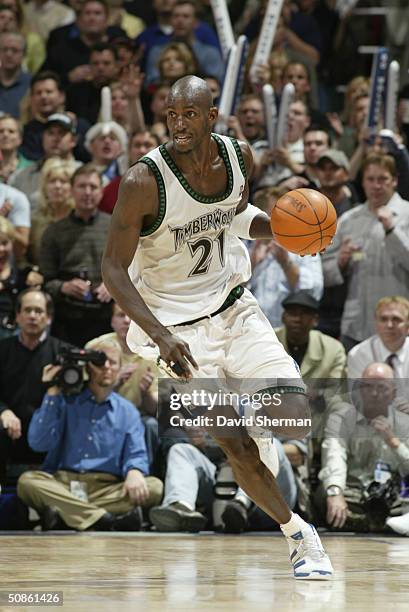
[71, 376]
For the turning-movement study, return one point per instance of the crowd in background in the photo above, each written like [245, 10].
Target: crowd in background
[343, 316]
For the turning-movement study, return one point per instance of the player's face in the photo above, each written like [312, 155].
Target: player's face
[392, 324]
[188, 124]
[379, 185]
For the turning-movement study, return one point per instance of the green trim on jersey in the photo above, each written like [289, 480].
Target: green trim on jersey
[162, 196]
[240, 157]
[197, 196]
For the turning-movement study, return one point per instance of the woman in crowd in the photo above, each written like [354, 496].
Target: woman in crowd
[176, 61]
[55, 201]
[35, 48]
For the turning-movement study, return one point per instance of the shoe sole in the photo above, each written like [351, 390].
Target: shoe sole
[166, 520]
[316, 575]
[233, 521]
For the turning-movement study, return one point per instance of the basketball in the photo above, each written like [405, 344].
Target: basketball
[303, 221]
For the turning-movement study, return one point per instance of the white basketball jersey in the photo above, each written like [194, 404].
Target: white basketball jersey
[187, 262]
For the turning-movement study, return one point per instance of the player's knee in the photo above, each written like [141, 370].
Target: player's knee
[294, 416]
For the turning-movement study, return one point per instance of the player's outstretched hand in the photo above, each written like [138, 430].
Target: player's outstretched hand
[177, 355]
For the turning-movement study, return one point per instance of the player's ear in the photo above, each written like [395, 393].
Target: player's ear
[213, 114]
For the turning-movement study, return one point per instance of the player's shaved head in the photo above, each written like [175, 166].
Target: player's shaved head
[192, 90]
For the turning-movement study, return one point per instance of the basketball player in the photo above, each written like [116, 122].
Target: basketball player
[184, 205]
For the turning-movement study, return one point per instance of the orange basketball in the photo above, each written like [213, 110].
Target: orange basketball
[303, 221]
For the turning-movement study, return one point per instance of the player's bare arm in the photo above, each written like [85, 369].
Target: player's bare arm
[136, 208]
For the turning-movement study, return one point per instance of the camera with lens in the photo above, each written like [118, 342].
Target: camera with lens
[70, 378]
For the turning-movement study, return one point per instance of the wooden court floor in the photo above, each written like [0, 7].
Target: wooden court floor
[207, 572]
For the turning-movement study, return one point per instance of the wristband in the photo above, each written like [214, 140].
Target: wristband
[242, 221]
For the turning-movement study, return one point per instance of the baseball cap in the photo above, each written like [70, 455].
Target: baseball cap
[337, 157]
[63, 120]
[301, 298]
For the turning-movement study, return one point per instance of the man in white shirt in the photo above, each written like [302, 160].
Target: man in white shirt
[369, 435]
[370, 253]
[390, 344]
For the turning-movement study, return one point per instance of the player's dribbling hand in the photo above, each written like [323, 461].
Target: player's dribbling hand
[177, 355]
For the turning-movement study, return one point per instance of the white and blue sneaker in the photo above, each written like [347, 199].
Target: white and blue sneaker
[308, 557]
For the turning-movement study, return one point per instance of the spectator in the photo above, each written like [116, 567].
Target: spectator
[107, 142]
[46, 98]
[10, 140]
[16, 208]
[59, 138]
[94, 439]
[316, 142]
[175, 61]
[157, 112]
[358, 436]
[70, 259]
[46, 15]
[357, 87]
[353, 134]
[190, 477]
[160, 32]
[34, 53]
[140, 143]
[12, 279]
[184, 20]
[389, 344]
[69, 47]
[370, 250]
[118, 16]
[126, 103]
[84, 98]
[276, 273]
[250, 114]
[14, 81]
[289, 158]
[332, 172]
[138, 378]
[317, 355]
[21, 389]
[55, 201]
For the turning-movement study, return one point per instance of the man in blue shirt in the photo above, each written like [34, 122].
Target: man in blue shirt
[160, 33]
[184, 21]
[14, 81]
[95, 474]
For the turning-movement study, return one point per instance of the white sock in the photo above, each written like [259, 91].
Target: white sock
[295, 524]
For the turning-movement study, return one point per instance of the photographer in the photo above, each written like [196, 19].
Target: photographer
[22, 358]
[364, 453]
[95, 472]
